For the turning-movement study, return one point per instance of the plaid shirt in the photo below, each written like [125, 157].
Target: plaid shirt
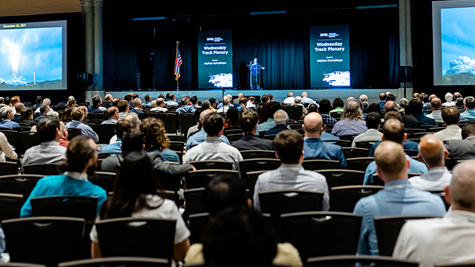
[327, 119]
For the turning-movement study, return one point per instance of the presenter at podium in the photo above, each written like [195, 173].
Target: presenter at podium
[255, 71]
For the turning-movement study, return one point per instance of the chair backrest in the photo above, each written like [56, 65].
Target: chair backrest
[104, 180]
[290, 201]
[10, 206]
[65, 206]
[46, 169]
[33, 239]
[170, 121]
[258, 164]
[73, 132]
[194, 200]
[212, 164]
[387, 231]
[105, 132]
[21, 184]
[174, 137]
[232, 130]
[342, 177]
[234, 136]
[377, 180]
[338, 232]
[365, 144]
[118, 261]
[187, 120]
[251, 179]
[29, 139]
[198, 225]
[256, 154]
[344, 198]
[342, 143]
[104, 155]
[177, 145]
[150, 237]
[319, 164]
[8, 167]
[359, 260]
[359, 163]
[355, 152]
[201, 178]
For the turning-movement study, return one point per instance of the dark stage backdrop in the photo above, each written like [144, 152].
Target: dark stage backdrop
[280, 42]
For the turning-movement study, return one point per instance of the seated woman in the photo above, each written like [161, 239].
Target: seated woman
[137, 195]
[232, 117]
[156, 140]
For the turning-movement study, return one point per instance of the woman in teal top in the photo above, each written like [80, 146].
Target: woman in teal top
[156, 140]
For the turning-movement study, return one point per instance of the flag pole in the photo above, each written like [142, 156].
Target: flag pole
[176, 56]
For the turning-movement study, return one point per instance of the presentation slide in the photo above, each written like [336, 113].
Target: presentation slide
[33, 56]
[330, 56]
[454, 45]
[215, 59]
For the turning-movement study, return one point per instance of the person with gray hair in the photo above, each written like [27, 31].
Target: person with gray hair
[6, 113]
[2, 102]
[469, 104]
[290, 98]
[433, 153]
[225, 105]
[449, 98]
[308, 100]
[137, 103]
[281, 119]
[352, 121]
[298, 102]
[447, 240]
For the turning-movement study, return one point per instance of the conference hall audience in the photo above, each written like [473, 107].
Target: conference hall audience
[281, 120]
[19, 107]
[449, 100]
[6, 114]
[393, 130]
[433, 153]
[225, 105]
[213, 148]
[373, 122]
[96, 106]
[397, 198]
[112, 114]
[338, 106]
[50, 150]
[137, 106]
[78, 116]
[452, 131]
[201, 135]
[306, 99]
[43, 112]
[290, 99]
[352, 121]
[469, 104]
[80, 162]
[248, 123]
[289, 147]
[436, 107]
[250, 103]
[314, 147]
[185, 106]
[108, 101]
[416, 108]
[465, 148]
[160, 102]
[271, 108]
[298, 103]
[382, 101]
[446, 240]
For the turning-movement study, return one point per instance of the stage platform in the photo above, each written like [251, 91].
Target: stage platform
[279, 95]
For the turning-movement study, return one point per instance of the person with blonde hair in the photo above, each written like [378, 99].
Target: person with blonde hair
[352, 120]
[78, 115]
[156, 139]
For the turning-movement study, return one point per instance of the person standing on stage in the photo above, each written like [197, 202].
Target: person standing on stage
[255, 71]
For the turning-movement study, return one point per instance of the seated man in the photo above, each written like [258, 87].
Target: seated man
[43, 112]
[248, 122]
[433, 153]
[6, 113]
[291, 175]
[451, 118]
[78, 116]
[416, 108]
[465, 148]
[225, 105]
[123, 107]
[373, 121]
[267, 125]
[290, 98]
[298, 102]
[398, 198]
[436, 106]
[112, 114]
[81, 158]
[171, 100]
[160, 106]
[447, 240]
[281, 120]
[325, 107]
[50, 150]
[120, 128]
[200, 136]
[137, 106]
[185, 106]
[314, 147]
[96, 106]
[393, 130]
[469, 104]
[213, 147]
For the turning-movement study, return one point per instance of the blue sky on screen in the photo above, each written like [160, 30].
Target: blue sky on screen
[25, 51]
[458, 42]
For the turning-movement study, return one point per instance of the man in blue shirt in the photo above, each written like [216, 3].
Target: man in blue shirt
[120, 128]
[393, 130]
[416, 107]
[314, 147]
[200, 136]
[78, 116]
[469, 114]
[81, 158]
[398, 197]
[112, 115]
[185, 106]
[96, 106]
[281, 120]
[6, 113]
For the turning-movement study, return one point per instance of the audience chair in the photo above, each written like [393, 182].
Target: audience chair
[319, 164]
[150, 237]
[355, 152]
[254, 154]
[316, 234]
[342, 143]
[251, 179]
[360, 163]
[194, 201]
[411, 153]
[186, 120]
[21, 184]
[96, 116]
[170, 121]
[377, 180]
[29, 139]
[212, 164]
[232, 130]
[174, 137]
[104, 155]
[198, 224]
[118, 261]
[73, 132]
[201, 178]
[45, 169]
[44, 240]
[342, 177]
[65, 206]
[105, 132]
[365, 144]
[289, 201]
[257, 164]
[359, 260]
[104, 180]
[344, 198]
[177, 145]
[13, 138]
[10, 206]
[234, 137]
[270, 136]
[387, 231]
[347, 137]
[8, 167]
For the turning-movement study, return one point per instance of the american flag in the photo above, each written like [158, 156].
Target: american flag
[178, 62]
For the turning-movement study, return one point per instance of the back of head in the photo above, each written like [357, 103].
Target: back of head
[390, 106]
[451, 115]
[391, 160]
[469, 102]
[373, 120]
[248, 121]
[462, 186]
[352, 111]
[382, 96]
[289, 146]
[468, 130]
[449, 97]
[432, 151]
[325, 106]
[80, 150]
[281, 117]
[290, 94]
[155, 135]
[77, 113]
[121, 126]
[48, 128]
[338, 102]
[391, 97]
[44, 109]
[96, 101]
[137, 102]
[243, 232]
[312, 108]
[111, 112]
[298, 100]
[436, 104]
[132, 140]
[393, 130]
[134, 118]
[122, 105]
[313, 123]
[226, 101]
[19, 107]
[224, 192]
[416, 106]
[213, 124]
[26, 113]
[393, 115]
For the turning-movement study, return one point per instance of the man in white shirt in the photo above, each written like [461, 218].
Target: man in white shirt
[436, 106]
[306, 99]
[449, 98]
[451, 118]
[373, 121]
[433, 153]
[446, 240]
[172, 101]
[289, 99]
[226, 104]
[160, 106]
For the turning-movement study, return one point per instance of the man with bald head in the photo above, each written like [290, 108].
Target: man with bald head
[436, 106]
[398, 198]
[446, 240]
[314, 147]
[393, 130]
[200, 136]
[433, 153]
[390, 106]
